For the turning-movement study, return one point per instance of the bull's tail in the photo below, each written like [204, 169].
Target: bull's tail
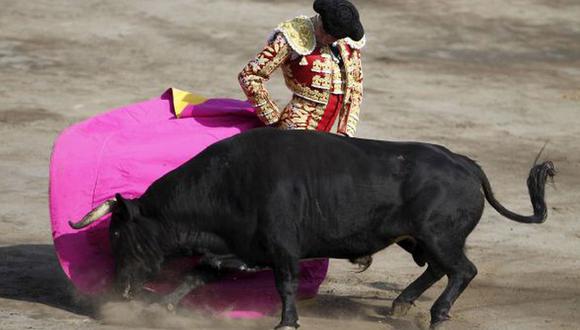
[536, 184]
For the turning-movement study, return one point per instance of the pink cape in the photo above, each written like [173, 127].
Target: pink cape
[124, 151]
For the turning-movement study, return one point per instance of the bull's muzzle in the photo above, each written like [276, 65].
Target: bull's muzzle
[95, 214]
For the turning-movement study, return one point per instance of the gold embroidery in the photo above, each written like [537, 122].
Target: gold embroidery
[321, 66]
[337, 83]
[254, 75]
[307, 92]
[322, 82]
[303, 61]
[301, 114]
[299, 33]
[353, 77]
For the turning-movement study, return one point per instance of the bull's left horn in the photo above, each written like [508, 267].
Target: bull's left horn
[94, 215]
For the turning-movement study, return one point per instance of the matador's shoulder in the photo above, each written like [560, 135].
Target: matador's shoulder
[299, 33]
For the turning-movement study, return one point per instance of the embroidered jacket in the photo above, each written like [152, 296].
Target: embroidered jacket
[310, 72]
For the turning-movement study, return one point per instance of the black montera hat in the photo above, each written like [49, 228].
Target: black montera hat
[340, 19]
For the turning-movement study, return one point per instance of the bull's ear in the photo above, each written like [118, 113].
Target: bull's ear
[126, 208]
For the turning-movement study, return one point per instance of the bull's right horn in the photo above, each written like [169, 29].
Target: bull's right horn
[95, 214]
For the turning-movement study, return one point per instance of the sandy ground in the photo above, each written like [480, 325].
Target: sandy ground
[491, 79]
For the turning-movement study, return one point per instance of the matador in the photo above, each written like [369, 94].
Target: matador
[320, 57]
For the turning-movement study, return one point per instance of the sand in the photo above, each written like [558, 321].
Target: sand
[491, 79]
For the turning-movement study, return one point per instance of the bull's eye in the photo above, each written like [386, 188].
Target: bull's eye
[116, 234]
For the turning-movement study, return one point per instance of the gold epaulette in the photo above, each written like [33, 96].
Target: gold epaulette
[299, 32]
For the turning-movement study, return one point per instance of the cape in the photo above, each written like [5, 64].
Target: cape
[124, 151]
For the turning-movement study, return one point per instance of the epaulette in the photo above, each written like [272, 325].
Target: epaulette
[299, 33]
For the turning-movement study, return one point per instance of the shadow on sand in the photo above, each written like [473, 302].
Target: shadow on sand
[352, 307]
[32, 273]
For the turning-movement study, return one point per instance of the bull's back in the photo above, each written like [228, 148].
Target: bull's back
[260, 161]
[332, 169]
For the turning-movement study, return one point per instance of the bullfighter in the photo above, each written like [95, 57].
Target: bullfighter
[320, 57]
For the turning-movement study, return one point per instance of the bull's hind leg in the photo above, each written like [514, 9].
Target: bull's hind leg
[286, 276]
[459, 270]
[406, 299]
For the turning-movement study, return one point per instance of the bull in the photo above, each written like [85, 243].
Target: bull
[269, 197]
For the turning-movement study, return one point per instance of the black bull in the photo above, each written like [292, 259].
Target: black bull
[272, 197]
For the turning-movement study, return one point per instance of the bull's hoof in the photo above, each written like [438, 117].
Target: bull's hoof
[400, 308]
[285, 327]
[436, 321]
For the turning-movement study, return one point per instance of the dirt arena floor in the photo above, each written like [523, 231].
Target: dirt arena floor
[491, 79]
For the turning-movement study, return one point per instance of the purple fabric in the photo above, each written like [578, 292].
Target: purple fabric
[124, 151]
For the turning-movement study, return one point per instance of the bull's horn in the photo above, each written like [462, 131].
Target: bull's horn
[95, 214]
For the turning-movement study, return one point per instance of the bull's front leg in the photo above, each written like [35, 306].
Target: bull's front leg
[210, 268]
[226, 263]
[286, 276]
[191, 282]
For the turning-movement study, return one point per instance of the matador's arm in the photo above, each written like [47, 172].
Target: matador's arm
[349, 119]
[254, 75]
